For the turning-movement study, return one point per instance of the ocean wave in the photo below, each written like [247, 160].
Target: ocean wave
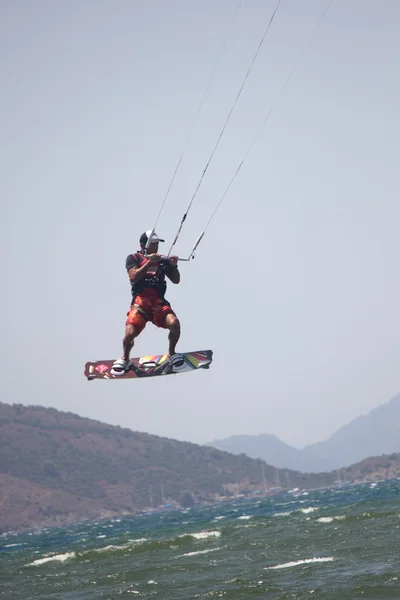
[55, 557]
[198, 552]
[283, 514]
[151, 545]
[309, 509]
[330, 519]
[297, 563]
[201, 535]
[120, 547]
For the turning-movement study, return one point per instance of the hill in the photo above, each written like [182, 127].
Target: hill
[271, 449]
[373, 434]
[375, 468]
[58, 467]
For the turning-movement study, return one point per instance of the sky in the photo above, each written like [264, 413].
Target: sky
[295, 285]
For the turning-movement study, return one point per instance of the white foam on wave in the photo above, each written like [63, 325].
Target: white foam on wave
[330, 519]
[199, 552]
[128, 544]
[283, 514]
[203, 535]
[14, 545]
[305, 561]
[56, 557]
[110, 547]
[245, 517]
[309, 509]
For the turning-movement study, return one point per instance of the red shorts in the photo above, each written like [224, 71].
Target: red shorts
[148, 308]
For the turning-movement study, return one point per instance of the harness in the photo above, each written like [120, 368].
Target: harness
[153, 280]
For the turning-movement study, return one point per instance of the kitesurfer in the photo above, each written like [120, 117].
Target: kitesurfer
[147, 271]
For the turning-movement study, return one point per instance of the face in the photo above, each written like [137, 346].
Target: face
[152, 249]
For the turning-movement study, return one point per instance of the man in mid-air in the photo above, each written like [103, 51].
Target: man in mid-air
[147, 271]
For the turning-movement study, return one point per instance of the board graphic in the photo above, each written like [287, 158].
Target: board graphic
[151, 366]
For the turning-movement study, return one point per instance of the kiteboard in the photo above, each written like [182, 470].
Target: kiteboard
[150, 366]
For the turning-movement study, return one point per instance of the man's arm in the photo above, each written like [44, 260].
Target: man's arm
[172, 270]
[136, 272]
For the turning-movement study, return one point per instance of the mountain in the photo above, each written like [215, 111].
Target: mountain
[374, 468]
[373, 434]
[271, 449]
[58, 467]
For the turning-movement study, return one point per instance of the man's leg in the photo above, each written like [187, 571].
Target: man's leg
[129, 340]
[172, 323]
[134, 325]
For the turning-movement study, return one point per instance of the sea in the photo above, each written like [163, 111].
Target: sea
[333, 544]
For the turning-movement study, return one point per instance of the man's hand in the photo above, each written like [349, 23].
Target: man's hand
[173, 261]
[173, 271]
[154, 258]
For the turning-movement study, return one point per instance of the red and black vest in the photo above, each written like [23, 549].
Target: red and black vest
[154, 278]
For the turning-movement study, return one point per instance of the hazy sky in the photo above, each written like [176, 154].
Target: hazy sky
[295, 285]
